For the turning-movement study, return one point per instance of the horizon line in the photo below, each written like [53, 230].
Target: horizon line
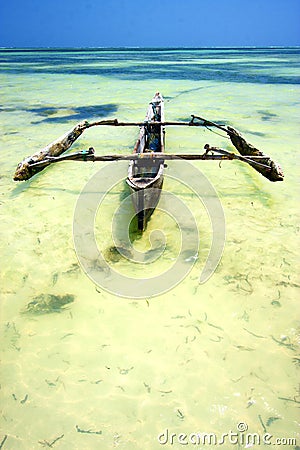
[146, 47]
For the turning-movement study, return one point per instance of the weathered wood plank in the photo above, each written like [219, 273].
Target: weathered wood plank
[274, 173]
[25, 170]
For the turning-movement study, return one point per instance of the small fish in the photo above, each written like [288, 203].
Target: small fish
[180, 414]
[54, 278]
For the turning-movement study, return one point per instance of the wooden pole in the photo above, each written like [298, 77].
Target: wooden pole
[116, 123]
[89, 155]
[25, 168]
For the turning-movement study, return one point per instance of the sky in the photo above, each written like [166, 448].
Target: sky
[152, 23]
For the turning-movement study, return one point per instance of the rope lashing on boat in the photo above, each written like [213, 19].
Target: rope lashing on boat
[206, 125]
[215, 132]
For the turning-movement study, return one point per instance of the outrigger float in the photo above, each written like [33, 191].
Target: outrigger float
[146, 164]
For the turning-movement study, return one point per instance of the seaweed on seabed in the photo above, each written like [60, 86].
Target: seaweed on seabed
[114, 254]
[48, 303]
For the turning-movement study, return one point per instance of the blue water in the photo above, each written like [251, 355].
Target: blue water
[257, 65]
[198, 357]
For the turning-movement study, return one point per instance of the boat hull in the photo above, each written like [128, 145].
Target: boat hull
[145, 201]
[145, 176]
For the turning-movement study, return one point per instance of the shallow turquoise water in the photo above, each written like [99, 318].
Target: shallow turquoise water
[200, 357]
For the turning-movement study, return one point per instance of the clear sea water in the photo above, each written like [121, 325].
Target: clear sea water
[200, 357]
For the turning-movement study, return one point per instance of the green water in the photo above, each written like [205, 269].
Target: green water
[200, 357]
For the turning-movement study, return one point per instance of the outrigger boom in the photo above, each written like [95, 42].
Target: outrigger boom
[50, 154]
[147, 161]
[89, 155]
[149, 149]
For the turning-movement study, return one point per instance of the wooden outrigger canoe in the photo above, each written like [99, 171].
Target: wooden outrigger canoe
[146, 164]
[145, 175]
